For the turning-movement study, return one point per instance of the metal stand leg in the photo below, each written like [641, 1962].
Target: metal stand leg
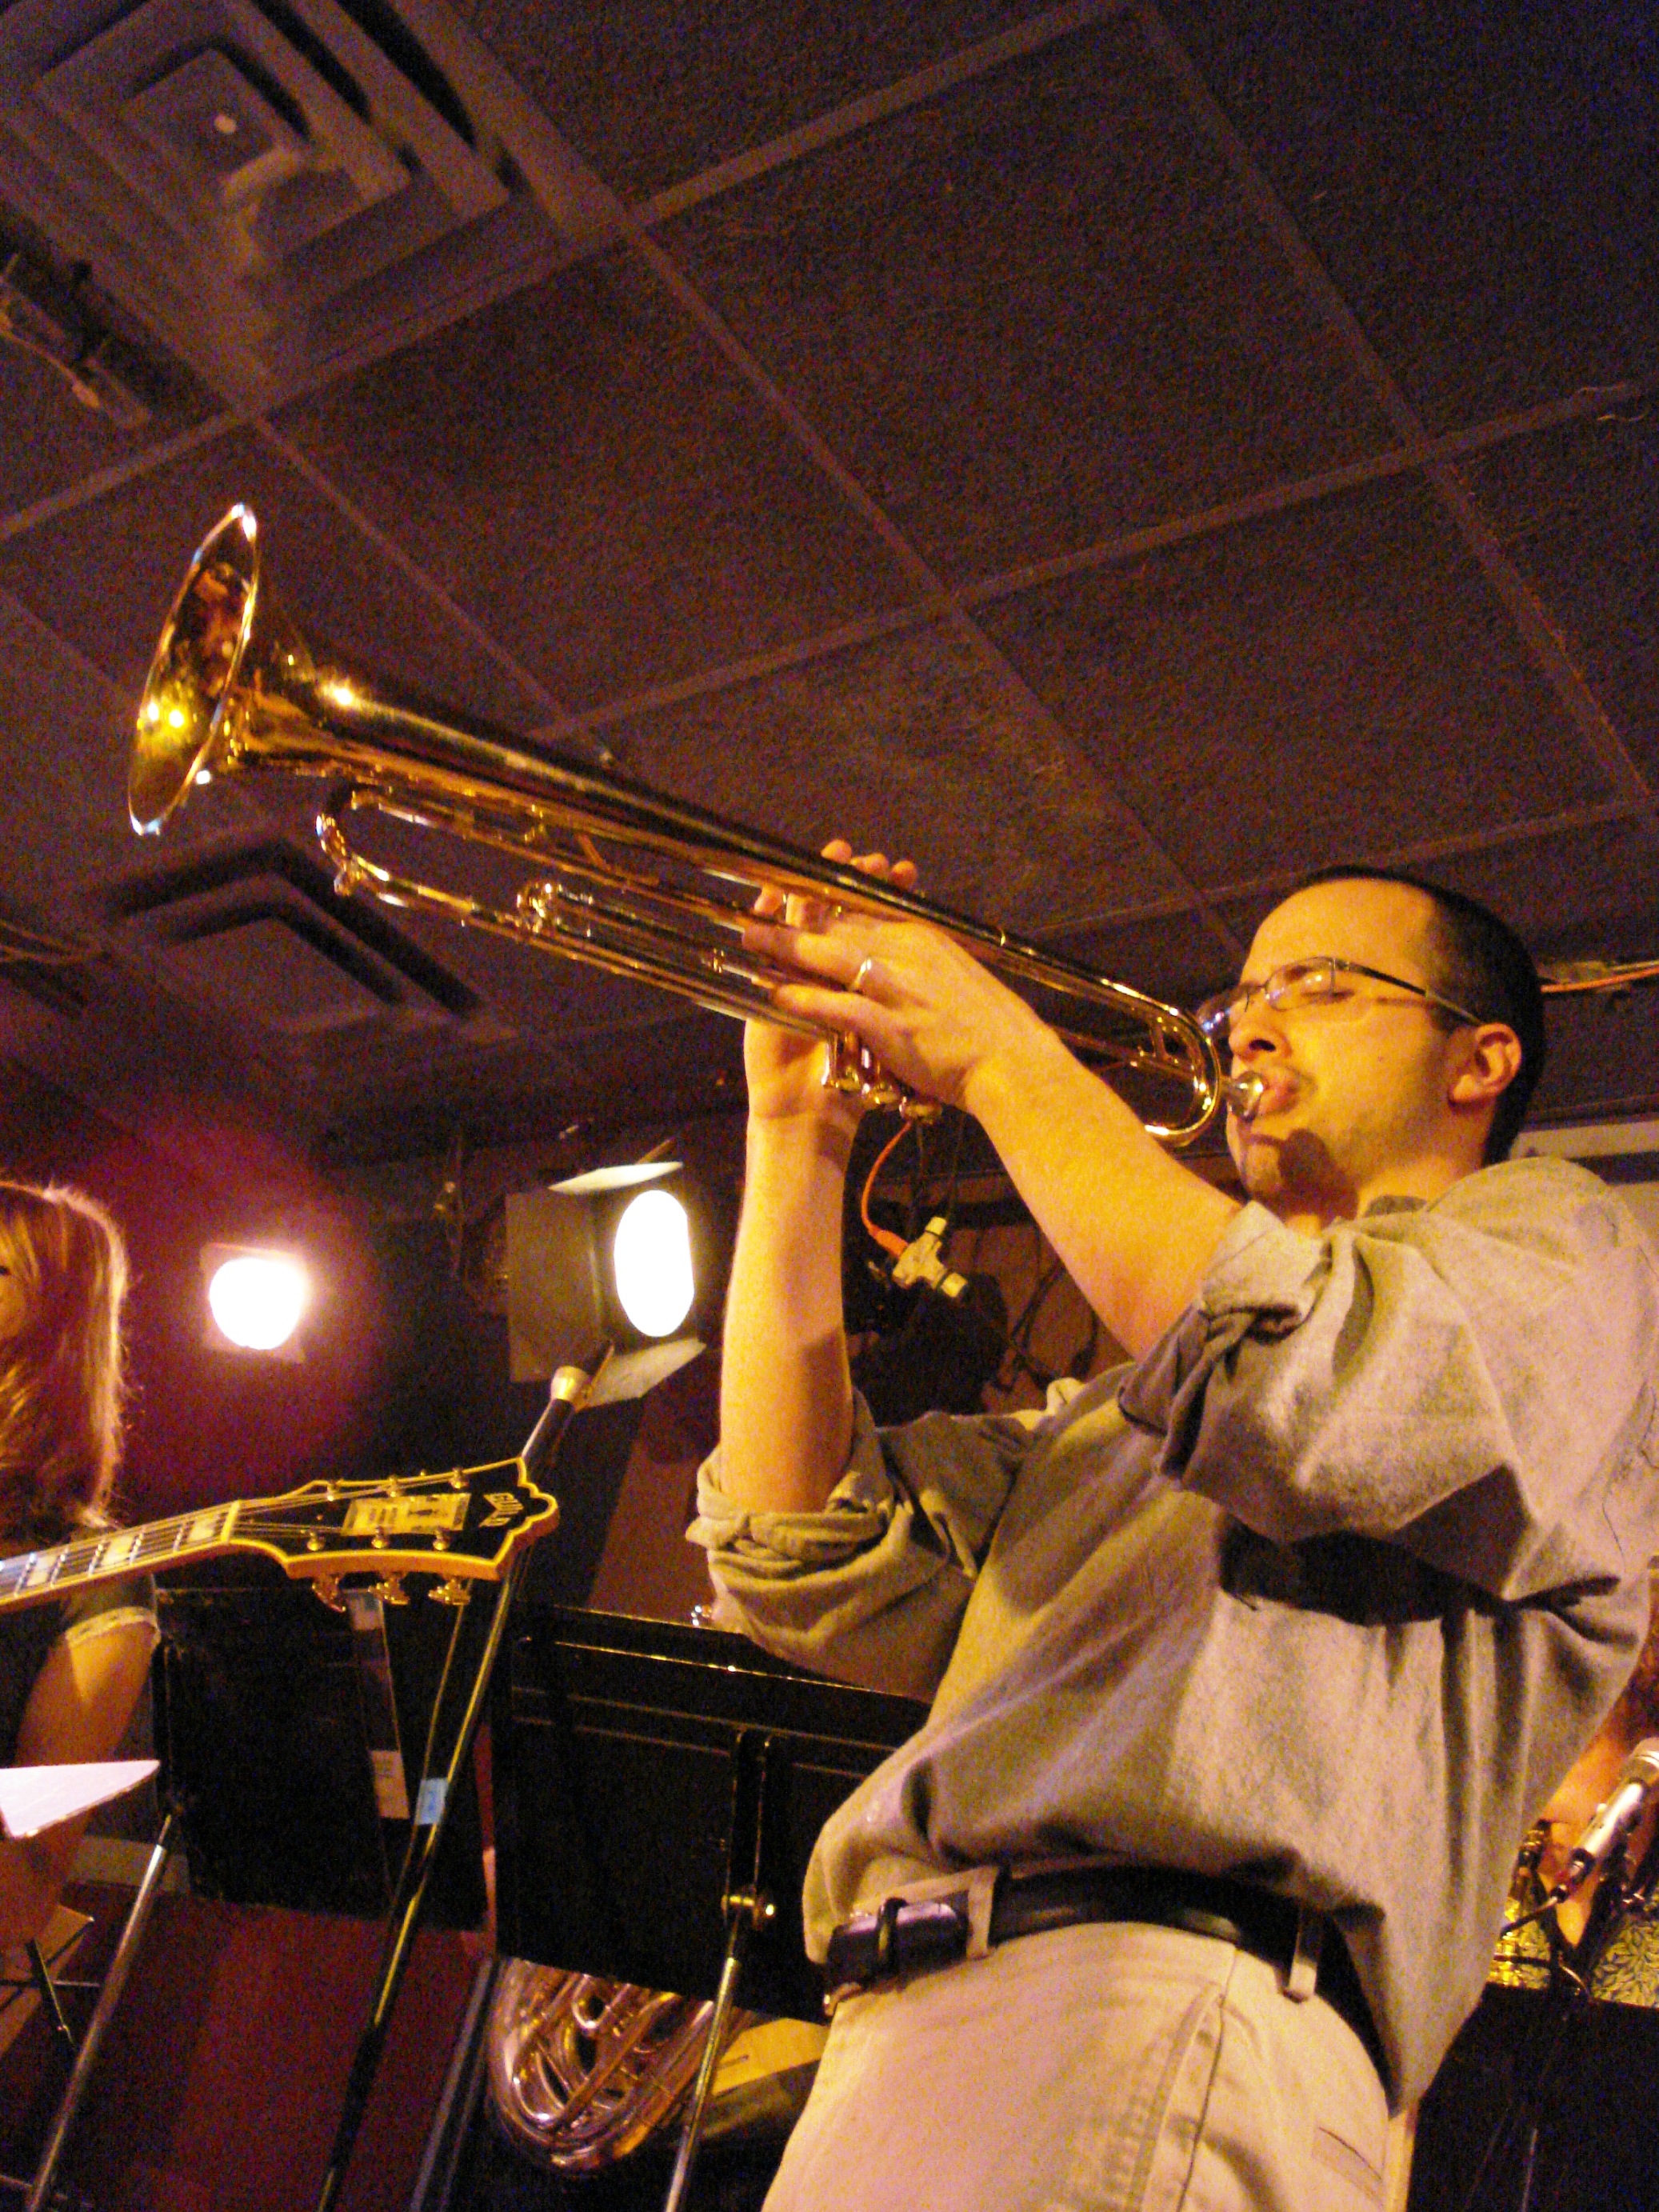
[570, 1385]
[747, 1907]
[49, 1996]
[115, 1977]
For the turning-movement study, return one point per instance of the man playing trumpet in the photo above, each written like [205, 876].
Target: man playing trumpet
[1250, 1662]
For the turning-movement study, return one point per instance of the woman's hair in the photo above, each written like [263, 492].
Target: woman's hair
[60, 1361]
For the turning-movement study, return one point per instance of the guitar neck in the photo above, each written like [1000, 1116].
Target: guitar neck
[30, 1578]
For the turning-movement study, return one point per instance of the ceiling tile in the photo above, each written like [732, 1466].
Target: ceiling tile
[62, 775]
[1480, 182]
[582, 471]
[1032, 313]
[1177, 957]
[1587, 892]
[104, 575]
[652, 92]
[1583, 894]
[909, 745]
[1331, 683]
[1578, 511]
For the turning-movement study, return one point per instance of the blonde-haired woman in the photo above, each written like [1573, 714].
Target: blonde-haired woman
[70, 1672]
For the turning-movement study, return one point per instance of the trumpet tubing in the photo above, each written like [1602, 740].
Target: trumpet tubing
[621, 877]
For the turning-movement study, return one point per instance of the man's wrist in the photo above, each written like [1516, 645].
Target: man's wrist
[1027, 1068]
[810, 1141]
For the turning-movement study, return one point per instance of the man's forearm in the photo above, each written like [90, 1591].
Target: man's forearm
[785, 1393]
[1134, 1228]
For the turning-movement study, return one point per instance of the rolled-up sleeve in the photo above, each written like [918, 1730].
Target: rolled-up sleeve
[872, 1587]
[1420, 1375]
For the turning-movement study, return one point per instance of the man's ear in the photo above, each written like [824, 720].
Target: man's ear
[1487, 1063]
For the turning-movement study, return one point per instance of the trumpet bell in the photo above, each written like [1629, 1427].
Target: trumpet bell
[192, 685]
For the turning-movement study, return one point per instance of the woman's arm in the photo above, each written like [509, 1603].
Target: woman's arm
[82, 1699]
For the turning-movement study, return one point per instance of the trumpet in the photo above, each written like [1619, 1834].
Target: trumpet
[621, 877]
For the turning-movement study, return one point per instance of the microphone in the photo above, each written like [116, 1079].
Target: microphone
[1614, 1818]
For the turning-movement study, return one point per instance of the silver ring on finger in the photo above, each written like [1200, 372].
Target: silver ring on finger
[864, 968]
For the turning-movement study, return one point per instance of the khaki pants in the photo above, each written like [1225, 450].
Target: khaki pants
[1096, 2069]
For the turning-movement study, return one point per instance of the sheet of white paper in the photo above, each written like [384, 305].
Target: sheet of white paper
[36, 1798]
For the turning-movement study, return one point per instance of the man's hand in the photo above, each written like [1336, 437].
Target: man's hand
[930, 1013]
[1134, 1228]
[783, 1067]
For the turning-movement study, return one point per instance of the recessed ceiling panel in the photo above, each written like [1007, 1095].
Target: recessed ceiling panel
[1034, 312]
[1579, 510]
[653, 91]
[1479, 181]
[910, 746]
[62, 774]
[584, 472]
[1339, 682]
[105, 574]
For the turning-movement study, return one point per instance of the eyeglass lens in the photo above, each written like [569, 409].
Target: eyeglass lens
[1299, 983]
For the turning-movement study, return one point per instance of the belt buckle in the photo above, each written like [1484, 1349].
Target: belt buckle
[931, 1924]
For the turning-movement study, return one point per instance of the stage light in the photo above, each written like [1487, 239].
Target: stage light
[610, 1257]
[256, 1297]
[651, 1253]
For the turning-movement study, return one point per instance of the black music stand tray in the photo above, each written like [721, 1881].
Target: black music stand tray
[636, 1764]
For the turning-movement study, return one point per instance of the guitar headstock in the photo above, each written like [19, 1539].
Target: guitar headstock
[461, 1526]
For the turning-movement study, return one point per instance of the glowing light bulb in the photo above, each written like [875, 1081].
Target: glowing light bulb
[653, 1260]
[257, 1298]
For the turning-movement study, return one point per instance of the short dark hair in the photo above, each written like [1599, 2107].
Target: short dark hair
[1484, 965]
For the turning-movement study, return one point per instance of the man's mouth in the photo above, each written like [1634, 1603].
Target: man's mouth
[1277, 1089]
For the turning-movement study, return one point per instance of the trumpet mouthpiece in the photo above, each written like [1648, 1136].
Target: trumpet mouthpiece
[1242, 1093]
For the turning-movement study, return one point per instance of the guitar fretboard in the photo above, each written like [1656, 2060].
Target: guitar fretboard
[117, 1551]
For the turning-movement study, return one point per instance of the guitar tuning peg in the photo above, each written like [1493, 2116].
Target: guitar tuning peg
[327, 1588]
[456, 1591]
[390, 1590]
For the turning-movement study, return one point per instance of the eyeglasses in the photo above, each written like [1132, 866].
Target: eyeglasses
[1306, 983]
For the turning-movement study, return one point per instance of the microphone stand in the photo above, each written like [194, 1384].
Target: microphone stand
[1572, 1974]
[566, 1394]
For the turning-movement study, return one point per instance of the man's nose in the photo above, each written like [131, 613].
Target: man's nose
[1254, 1031]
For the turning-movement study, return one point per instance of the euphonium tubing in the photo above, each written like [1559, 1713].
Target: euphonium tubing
[626, 879]
[583, 2071]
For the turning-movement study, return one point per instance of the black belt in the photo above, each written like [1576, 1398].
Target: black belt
[909, 1935]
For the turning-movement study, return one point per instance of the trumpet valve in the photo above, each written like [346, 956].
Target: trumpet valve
[853, 1068]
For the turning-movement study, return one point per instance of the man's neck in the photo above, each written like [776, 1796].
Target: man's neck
[1421, 1183]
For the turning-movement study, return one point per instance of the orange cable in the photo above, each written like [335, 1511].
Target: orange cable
[889, 1243]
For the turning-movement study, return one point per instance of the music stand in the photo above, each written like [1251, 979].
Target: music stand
[622, 1752]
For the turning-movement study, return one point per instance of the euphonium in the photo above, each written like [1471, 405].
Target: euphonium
[623, 877]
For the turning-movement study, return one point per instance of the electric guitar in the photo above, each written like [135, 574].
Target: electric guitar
[462, 1527]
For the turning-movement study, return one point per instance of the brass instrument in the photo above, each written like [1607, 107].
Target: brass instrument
[583, 2071]
[1563, 978]
[622, 878]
